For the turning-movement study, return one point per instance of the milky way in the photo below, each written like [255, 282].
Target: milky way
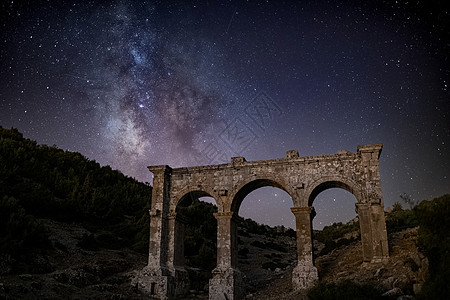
[138, 83]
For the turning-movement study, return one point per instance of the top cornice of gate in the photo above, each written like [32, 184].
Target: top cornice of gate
[239, 162]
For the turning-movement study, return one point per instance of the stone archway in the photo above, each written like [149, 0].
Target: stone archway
[370, 212]
[301, 177]
[227, 278]
[328, 182]
[245, 188]
[176, 228]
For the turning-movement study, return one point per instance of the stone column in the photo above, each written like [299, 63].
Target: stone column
[305, 273]
[363, 211]
[179, 225]
[371, 213]
[158, 247]
[157, 253]
[379, 234]
[156, 278]
[226, 282]
[175, 260]
[373, 232]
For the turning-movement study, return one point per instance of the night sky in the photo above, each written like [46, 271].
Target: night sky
[137, 83]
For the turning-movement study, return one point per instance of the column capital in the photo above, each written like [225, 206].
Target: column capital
[370, 152]
[303, 210]
[364, 206]
[160, 169]
[173, 215]
[228, 215]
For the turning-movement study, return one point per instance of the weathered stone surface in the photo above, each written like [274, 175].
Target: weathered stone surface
[304, 276]
[226, 284]
[303, 178]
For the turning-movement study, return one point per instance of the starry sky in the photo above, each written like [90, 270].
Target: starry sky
[137, 83]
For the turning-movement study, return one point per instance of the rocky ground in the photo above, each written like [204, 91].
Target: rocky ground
[401, 276]
[71, 272]
[267, 260]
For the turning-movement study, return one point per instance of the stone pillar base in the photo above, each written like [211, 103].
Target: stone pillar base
[304, 276]
[226, 284]
[379, 259]
[163, 283]
[181, 280]
[156, 283]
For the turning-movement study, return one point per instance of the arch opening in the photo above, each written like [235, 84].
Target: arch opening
[250, 187]
[196, 231]
[188, 198]
[266, 236]
[335, 224]
[329, 185]
[268, 205]
[333, 205]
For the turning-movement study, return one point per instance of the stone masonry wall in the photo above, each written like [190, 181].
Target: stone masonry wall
[303, 178]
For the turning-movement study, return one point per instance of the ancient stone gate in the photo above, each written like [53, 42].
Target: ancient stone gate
[303, 178]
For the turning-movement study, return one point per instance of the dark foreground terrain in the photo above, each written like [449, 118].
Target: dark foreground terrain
[70, 271]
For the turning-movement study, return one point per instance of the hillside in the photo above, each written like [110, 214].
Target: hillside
[72, 269]
[42, 182]
[418, 266]
[71, 228]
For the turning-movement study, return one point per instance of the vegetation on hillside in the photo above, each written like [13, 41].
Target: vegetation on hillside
[433, 219]
[333, 236]
[200, 241]
[400, 219]
[248, 226]
[434, 242]
[38, 181]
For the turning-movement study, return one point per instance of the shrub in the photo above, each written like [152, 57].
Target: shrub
[200, 241]
[258, 244]
[399, 219]
[253, 227]
[434, 242]
[275, 246]
[243, 252]
[19, 232]
[243, 232]
[273, 265]
[330, 245]
[335, 231]
[291, 233]
[205, 259]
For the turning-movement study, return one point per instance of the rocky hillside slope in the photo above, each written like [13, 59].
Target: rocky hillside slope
[72, 271]
[402, 274]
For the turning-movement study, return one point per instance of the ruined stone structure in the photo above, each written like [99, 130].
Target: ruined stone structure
[303, 178]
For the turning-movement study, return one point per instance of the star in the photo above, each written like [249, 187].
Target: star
[158, 84]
